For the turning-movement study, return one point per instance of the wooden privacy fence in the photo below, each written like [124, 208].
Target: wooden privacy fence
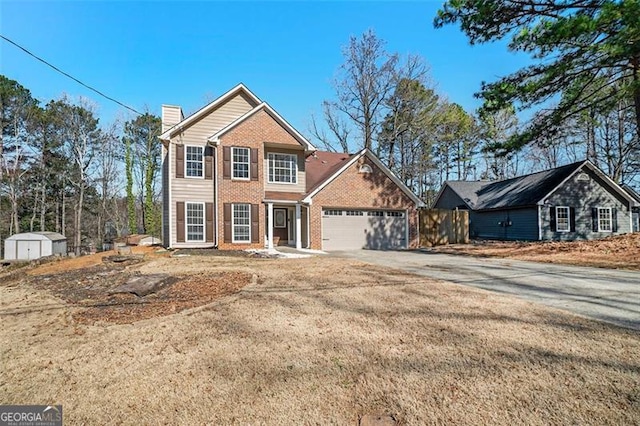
[439, 227]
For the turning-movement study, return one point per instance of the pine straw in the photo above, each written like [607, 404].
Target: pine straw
[621, 251]
[321, 341]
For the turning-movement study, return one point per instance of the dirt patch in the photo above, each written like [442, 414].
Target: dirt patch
[64, 264]
[621, 252]
[186, 293]
[92, 287]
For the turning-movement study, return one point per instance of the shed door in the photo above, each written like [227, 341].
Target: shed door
[344, 229]
[28, 250]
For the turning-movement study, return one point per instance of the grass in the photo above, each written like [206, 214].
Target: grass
[320, 341]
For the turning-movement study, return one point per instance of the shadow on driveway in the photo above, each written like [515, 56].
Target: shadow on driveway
[603, 294]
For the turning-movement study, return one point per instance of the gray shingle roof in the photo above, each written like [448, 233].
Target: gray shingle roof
[510, 193]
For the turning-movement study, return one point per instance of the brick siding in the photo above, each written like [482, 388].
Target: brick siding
[353, 189]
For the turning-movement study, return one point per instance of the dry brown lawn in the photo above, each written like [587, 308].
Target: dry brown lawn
[318, 341]
[620, 252]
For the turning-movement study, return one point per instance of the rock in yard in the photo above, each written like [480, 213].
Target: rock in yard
[144, 284]
[123, 259]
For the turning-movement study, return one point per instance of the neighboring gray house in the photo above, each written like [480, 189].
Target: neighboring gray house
[635, 215]
[576, 201]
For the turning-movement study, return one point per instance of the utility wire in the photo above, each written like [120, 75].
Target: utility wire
[70, 76]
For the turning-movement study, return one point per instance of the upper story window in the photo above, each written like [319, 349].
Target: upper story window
[562, 219]
[195, 159]
[240, 162]
[283, 168]
[605, 219]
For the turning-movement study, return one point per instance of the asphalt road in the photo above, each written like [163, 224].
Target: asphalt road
[609, 295]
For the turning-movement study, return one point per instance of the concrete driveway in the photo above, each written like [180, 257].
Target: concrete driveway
[603, 294]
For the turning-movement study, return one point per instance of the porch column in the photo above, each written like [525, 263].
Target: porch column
[270, 225]
[298, 227]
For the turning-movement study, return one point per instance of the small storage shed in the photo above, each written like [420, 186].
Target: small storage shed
[34, 245]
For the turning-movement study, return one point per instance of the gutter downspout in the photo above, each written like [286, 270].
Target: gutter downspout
[215, 196]
[169, 244]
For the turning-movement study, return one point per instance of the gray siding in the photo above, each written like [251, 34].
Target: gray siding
[583, 195]
[486, 224]
[449, 200]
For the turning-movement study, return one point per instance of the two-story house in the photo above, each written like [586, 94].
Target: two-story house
[236, 175]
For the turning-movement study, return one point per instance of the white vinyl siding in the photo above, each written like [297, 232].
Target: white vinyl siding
[194, 161]
[283, 168]
[563, 221]
[605, 220]
[241, 223]
[194, 216]
[240, 163]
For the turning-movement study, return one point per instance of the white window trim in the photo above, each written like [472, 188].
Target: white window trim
[294, 173]
[233, 162]
[186, 161]
[610, 219]
[568, 219]
[233, 224]
[186, 223]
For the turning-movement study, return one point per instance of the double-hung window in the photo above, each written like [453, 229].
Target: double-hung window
[194, 163]
[195, 221]
[605, 219]
[283, 168]
[241, 225]
[240, 162]
[563, 223]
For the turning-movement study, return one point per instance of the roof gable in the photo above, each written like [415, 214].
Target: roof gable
[343, 164]
[239, 90]
[266, 108]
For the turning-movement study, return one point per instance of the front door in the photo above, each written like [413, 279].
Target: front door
[280, 227]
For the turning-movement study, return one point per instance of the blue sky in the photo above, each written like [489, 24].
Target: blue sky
[185, 53]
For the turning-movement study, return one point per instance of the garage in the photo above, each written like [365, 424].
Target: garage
[349, 229]
[34, 245]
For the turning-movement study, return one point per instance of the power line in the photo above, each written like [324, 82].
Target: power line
[70, 76]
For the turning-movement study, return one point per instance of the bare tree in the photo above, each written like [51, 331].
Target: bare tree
[364, 81]
[338, 129]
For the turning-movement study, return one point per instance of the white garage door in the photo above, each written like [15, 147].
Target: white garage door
[344, 229]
